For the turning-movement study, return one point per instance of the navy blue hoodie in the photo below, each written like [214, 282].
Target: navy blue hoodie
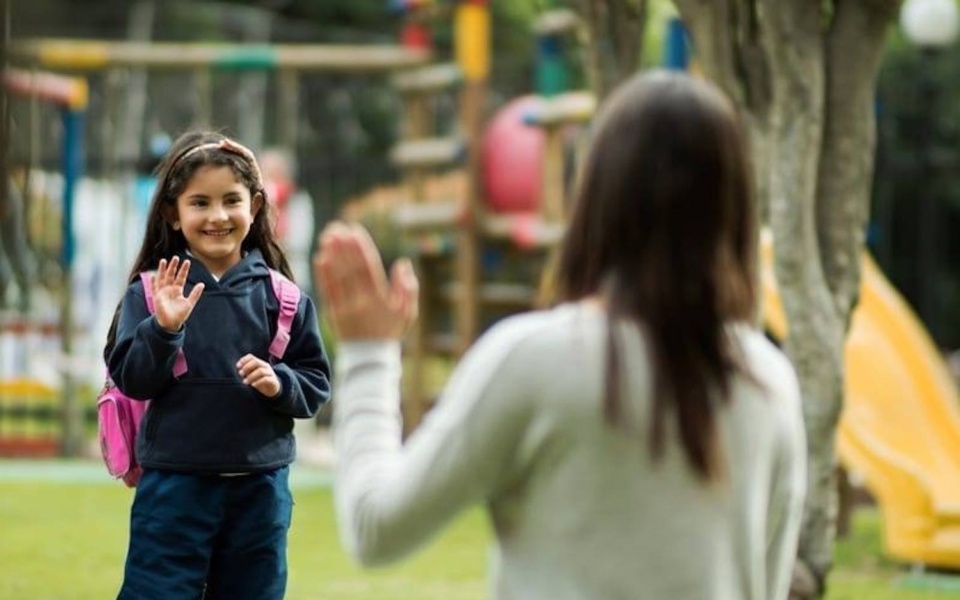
[208, 420]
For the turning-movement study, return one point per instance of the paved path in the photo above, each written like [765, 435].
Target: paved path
[92, 471]
[312, 469]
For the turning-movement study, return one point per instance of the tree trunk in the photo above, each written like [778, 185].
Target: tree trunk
[804, 74]
[612, 39]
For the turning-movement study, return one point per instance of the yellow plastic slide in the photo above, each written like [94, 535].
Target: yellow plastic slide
[900, 427]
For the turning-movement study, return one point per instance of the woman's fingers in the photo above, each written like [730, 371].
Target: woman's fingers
[371, 263]
[404, 290]
[356, 273]
[348, 265]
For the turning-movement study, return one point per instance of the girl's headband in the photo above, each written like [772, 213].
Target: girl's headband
[228, 145]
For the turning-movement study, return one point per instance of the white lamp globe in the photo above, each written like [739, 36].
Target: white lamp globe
[930, 23]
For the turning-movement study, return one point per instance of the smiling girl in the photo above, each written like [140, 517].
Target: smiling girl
[212, 509]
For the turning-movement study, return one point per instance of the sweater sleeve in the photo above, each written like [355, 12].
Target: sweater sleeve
[141, 362]
[391, 498]
[304, 372]
[789, 491]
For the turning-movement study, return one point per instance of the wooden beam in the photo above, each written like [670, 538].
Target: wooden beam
[569, 107]
[428, 80]
[428, 152]
[69, 92]
[93, 55]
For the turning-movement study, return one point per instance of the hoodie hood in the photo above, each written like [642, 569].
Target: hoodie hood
[251, 267]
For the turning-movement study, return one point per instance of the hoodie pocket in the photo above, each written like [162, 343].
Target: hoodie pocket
[217, 422]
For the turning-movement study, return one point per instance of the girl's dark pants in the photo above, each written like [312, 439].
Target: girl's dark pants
[227, 534]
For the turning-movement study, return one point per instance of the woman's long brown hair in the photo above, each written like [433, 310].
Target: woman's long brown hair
[664, 229]
[161, 240]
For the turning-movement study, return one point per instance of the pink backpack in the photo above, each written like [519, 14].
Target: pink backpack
[118, 417]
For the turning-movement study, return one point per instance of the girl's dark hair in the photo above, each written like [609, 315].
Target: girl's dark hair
[664, 229]
[174, 172]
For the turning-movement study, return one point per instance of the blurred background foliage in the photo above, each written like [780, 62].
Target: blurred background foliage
[918, 163]
[348, 123]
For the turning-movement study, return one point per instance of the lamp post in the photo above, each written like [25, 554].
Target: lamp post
[931, 25]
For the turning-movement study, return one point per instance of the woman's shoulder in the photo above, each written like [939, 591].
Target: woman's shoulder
[545, 322]
[757, 346]
[547, 331]
[769, 364]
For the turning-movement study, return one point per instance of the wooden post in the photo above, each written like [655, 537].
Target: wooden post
[553, 196]
[472, 46]
[203, 88]
[415, 401]
[72, 169]
[289, 101]
[257, 25]
[551, 81]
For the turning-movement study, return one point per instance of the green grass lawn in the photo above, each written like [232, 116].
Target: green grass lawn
[64, 539]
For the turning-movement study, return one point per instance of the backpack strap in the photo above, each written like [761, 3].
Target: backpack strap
[288, 295]
[146, 278]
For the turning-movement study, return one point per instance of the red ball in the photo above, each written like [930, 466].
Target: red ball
[512, 153]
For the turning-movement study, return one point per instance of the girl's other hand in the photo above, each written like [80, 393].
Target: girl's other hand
[359, 301]
[259, 374]
[171, 307]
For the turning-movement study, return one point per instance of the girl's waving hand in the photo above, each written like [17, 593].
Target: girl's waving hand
[171, 306]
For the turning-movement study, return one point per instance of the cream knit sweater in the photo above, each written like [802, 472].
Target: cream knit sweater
[579, 510]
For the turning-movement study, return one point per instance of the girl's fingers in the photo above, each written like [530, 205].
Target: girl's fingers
[181, 273]
[256, 372]
[170, 272]
[256, 376]
[195, 293]
[164, 269]
[244, 361]
[249, 364]
[158, 276]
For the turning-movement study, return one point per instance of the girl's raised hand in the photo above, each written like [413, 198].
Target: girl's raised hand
[171, 307]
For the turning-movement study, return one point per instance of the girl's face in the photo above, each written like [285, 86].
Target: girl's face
[215, 213]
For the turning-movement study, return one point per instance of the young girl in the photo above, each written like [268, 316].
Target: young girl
[212, 509]
[640, 440]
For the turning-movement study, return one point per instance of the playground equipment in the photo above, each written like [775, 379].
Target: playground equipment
[179, 59]
[21, 399]
[513, 158]
[288, 60]
[900, 426]
[900, 429]
[479, 257]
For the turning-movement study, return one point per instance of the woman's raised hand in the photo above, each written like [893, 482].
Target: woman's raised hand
[171, 307]
[359, 301]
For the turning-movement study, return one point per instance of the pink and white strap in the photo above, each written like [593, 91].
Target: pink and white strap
[288, 295]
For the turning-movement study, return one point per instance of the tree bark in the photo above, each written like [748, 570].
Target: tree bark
[804, 74]
[612, 40]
